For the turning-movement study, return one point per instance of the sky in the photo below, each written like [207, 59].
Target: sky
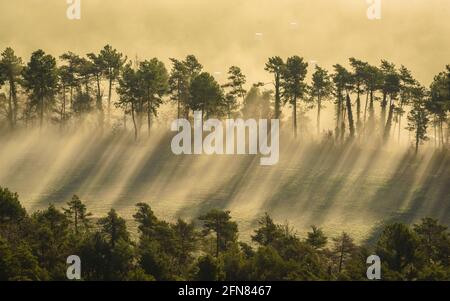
[235, 32]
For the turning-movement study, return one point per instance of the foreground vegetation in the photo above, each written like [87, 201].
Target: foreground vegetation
[36, 246]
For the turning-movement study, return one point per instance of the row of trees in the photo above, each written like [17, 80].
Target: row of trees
[35, 247]
[42, 88]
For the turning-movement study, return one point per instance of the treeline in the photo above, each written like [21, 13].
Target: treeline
[45, 89]
[36, 246]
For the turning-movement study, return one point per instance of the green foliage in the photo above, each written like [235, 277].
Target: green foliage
[141, 90]
[256, 104]
[418, 116]
[40, 79]
[398, 249]
[44, 90]
[206, 95]
[294, 87]
[114, 228]
[10, 209]
[220, 223]
[185, 240]
[275, 65]
[268, 232]
[267, 265]
[316, 238]
[183, 72]
[11, 68]
[36, 248]
[235, 87]
[208, 269]
[78, 216]
[294, 74]
[434, 241]
[342, 251]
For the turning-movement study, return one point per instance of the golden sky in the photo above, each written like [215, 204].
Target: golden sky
[224, 32]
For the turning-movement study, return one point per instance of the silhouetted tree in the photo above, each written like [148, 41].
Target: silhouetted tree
[154, 78]
[235, 85]
[418, 116]
[113, 227]
[439, 104]
[206, 95]
[267, 232]
[256, 104]
[11, 69]
[434, 241]
[11, 211]
[40, 79]
[186, 241]
[220, 223]
[321, 89]
[294, 86]
[359, 73]
[77, 214]
[372, 81]
[316, 238]
[343, 82]
[397, 248]
[275, 65]
[343, 248]
[111, 62]
[407, 83]
[390, 88]
[131, 95]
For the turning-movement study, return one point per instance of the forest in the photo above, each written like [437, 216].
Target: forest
[51, 101]
[47, 90]
[35, 247]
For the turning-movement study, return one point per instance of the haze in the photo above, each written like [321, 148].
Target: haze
[340, 188]
[244, 33]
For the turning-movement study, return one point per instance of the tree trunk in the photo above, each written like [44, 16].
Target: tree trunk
[341, 257]
[179, 99]
[41, 113]
[76, 221]
[294, 116]
[149, 116]
[350, 117]
[277, 97]
[71, 97]
[358, 112]
[319, 104]
[387, 128]
[63, 108]
[99, 103]
[371, 120]
[109, 100]
[218, 230]
[14, 101]
[417, 140]
[338, 118]
[10, 110]
[400, 121]
[435, 132]
[134, 122]
[178, 109]
[383, 111]
[365, 112]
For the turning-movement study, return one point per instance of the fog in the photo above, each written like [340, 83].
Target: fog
[349, 187]
[223, 33]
